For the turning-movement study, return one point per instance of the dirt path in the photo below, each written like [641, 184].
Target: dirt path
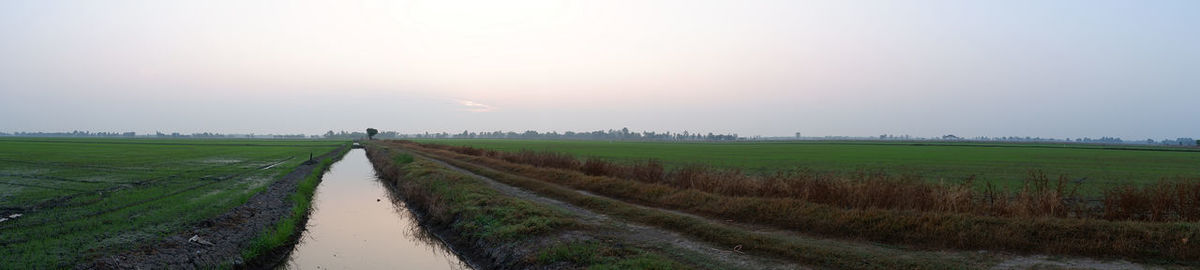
[648, 234]
[224, 237]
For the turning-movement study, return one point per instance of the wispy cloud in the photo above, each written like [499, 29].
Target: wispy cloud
[472, 106]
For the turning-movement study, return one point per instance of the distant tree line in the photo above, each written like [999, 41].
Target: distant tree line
[131, 134]
[70, 134]
[952, 137]
[1176, 142]
[357, 135]
[219, 135]
[1109, 140]
[612, 134]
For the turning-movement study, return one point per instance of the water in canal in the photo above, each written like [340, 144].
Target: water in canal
[357, 224]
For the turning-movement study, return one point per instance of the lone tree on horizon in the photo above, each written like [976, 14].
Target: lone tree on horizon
[371, 133]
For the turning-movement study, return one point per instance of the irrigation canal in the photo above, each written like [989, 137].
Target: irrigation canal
[357, 223]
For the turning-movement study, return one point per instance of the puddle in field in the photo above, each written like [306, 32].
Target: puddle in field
[350, 229]
[221, 160]
[268, 167]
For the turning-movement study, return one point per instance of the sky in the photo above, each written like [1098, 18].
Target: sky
[1060, 69]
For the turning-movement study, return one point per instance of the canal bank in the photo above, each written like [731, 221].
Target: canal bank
[357, 223]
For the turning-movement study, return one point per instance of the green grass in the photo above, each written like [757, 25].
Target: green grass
[596, 255]
[1002, 164]
[82, 198]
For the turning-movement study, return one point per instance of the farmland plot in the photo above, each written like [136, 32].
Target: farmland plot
[1005, 165]
[66, 200]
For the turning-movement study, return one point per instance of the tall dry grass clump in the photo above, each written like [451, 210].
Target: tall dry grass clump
[1167, 200]
[542, 159]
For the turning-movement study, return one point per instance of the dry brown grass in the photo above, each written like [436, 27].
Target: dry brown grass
[1168, 200]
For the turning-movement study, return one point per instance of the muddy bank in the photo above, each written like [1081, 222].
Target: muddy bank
[221, 240]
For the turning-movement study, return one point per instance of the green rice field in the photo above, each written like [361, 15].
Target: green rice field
[67, 200]
[1003, 164]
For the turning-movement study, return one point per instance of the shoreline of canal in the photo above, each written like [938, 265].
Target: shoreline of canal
[359, 219]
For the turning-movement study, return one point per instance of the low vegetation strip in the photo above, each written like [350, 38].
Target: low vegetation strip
[1091, 237]
[500, 231]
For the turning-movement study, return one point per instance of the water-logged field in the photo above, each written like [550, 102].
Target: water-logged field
[64, 201]
[1002, 164]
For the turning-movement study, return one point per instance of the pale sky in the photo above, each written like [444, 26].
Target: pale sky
[859, 68]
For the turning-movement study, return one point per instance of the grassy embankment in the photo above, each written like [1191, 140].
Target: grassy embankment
[84, 198]
[1038, 230]
[1004, 165]
[513, 231]
[286, 232]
